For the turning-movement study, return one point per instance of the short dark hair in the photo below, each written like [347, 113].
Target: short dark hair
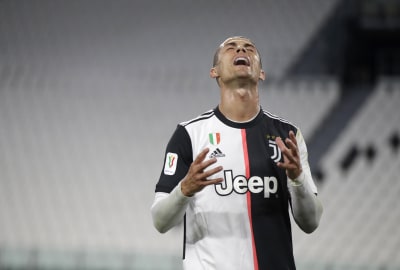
[216, 54]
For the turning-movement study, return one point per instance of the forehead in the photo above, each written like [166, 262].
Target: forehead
[236, 40]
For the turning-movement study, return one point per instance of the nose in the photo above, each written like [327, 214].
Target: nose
[240, 48]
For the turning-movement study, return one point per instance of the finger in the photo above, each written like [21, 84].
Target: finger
[213, 181]
[292, 137]
[280, 144]
[290, 152]
[201, 156]
[285, 151]
[205, 164]
[290, 156]
[287, 166]
[211, 172]
[290, 143]
[292, 147]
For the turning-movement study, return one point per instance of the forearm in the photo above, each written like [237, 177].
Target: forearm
[168, 209]
[306, 207]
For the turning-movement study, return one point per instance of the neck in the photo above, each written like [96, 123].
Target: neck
[239, 104]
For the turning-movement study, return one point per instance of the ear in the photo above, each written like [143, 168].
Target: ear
[262, 75]
[214, 73]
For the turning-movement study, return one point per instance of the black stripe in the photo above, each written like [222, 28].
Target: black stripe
[270, 216]
[184, 238]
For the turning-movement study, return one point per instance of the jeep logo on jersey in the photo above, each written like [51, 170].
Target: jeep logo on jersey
[240, 184]
[276, 156]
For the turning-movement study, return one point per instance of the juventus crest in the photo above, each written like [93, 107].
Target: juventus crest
[276, 156]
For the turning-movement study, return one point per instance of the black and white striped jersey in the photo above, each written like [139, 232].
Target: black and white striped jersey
[243, 222]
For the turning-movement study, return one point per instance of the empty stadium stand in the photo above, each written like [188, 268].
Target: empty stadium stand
[359, 227]
[90, 92]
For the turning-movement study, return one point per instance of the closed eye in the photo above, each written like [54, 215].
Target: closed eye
[250, 47]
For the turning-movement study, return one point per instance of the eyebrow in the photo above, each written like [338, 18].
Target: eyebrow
[233, 43]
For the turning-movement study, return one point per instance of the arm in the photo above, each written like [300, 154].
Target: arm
[168, 209]
[169, 204]
[306, 207]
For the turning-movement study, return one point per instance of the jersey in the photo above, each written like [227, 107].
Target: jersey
[242, 222]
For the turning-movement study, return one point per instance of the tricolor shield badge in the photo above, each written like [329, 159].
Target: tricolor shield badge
[214, 138]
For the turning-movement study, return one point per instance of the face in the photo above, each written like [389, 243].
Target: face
[237, 58]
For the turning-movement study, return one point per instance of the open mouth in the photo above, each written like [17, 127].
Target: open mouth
[241, 61]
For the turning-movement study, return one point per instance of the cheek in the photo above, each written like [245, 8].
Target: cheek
[257, 67]
[223, 66]
[257, 60]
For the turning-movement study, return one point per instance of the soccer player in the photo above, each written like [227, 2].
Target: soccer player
[232, 174]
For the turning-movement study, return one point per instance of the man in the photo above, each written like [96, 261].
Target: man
[232, 173]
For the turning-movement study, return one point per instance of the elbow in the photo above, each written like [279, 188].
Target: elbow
[159, 220]
[310, 224]
[310, 227]
[167, 211]
[157, 223]
[160, 227]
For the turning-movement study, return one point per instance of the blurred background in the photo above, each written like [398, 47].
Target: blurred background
[91, 91]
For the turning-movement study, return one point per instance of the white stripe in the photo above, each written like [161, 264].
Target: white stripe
[279, 118]
[204, 115]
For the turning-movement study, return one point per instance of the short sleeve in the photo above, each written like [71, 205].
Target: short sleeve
[177, 159]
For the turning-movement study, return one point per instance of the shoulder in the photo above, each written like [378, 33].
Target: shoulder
[279, 121]
[200, 118]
